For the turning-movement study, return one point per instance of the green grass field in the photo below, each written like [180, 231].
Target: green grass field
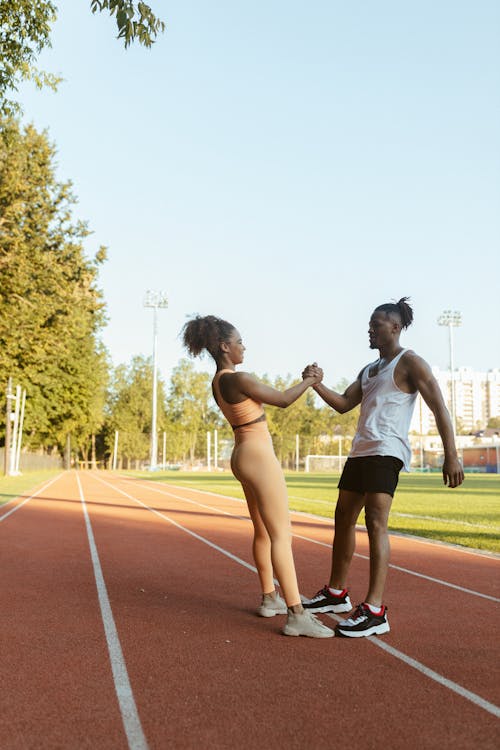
[468, 515]
[11, 487]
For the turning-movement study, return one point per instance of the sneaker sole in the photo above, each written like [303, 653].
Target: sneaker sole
[271, 612]
[374, 630]
[290, 631]
[337, 608]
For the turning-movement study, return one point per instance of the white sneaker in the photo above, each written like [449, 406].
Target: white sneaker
[305, 623]
[271, 606]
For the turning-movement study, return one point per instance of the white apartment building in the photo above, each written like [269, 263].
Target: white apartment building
[477, 399]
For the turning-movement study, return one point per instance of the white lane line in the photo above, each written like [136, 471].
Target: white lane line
[430, 673]
[331, 504]
[192, 502]
[439, 581]
[414, 516]
[455, 521]
[411, 572]
[126, 702]
[17, 507]
[454, 686]
[328, 520]
[179, 526]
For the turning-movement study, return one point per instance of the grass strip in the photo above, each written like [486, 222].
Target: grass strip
[23, 485]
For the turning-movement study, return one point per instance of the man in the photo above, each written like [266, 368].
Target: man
[387, 390]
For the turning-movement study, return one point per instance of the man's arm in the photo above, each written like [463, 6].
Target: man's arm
[420, 375]
[341, 402]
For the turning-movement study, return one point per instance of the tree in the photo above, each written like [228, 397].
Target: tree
[25, 30]
[52, 310]
[134, 20]
[317, 428]
[191, 412]
[96, 383]
[130, 409]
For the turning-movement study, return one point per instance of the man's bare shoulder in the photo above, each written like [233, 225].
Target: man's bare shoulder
[413, 372]
[411, 359]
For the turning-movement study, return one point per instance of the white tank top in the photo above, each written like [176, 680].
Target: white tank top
[386, 413]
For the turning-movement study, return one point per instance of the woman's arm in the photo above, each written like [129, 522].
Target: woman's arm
[248, 385]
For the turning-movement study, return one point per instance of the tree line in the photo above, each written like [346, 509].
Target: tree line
[52, 317]
[187, 411]
[26, 28]
[53, 312]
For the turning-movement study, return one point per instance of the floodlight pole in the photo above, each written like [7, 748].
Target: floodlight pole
[155, 300]
[452, 319]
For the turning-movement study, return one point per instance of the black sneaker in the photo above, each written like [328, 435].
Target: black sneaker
[363, 622]
[325, 601]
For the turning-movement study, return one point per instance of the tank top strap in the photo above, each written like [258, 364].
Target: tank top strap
[396, 359]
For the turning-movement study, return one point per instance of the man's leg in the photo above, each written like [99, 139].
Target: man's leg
[347, 511]
[349, 505]
[370, 617]
[377, 507]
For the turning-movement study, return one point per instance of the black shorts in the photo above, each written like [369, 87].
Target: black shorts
[371, 474]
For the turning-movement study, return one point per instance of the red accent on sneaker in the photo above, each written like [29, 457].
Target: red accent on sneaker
[379, 613]
[342, 593]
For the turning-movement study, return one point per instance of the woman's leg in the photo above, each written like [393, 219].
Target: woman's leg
[261, 546]
[256, 467]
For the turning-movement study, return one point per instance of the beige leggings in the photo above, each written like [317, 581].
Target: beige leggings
[255, 465]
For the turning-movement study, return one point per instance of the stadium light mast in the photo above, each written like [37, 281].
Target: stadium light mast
[452, 319]
[155, 300]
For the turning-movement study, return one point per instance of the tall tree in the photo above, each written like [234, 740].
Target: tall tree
[94, 387]
[25, 30]
[130, 409]
[52, 310]
[191, 411]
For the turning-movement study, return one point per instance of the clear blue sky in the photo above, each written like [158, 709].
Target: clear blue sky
[288, 166]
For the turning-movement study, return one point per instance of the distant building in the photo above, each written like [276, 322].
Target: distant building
[477, 399]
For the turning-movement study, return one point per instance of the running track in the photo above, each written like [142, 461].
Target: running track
[128, 622]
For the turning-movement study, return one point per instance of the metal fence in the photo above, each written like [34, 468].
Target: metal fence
[35, 461]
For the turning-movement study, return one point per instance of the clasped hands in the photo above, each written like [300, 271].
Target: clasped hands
[313, 371]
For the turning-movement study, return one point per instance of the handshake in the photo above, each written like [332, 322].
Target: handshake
[313, 371]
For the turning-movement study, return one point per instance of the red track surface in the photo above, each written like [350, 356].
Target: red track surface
[166, 651]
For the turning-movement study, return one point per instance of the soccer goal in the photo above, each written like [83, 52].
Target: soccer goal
[324, 463]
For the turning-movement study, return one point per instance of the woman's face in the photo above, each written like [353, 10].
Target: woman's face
[235, 348]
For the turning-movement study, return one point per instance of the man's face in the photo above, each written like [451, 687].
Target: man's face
[382, 329]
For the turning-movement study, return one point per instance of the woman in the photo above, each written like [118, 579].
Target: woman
[239, 395]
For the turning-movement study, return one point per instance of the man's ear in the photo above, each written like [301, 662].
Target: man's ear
[396, 325]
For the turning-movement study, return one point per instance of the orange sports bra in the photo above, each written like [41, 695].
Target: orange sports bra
[241, 414]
